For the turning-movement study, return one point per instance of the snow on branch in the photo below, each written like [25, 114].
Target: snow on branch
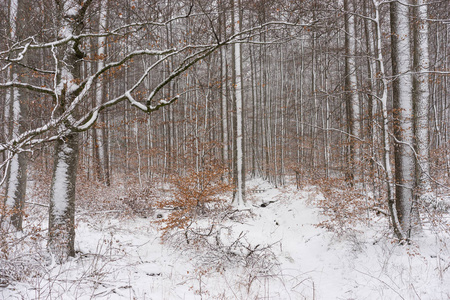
[89, 119]
[66, 123]
[28, 87]
[119, 31]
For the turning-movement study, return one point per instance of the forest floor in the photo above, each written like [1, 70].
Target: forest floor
[277, 250]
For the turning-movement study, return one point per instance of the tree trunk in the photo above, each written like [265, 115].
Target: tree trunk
[390, 184]
[238, 199]
[103, 170]
[352, 99]
[403, 114]
[372, 132]
[223, 86]
[17, 171]
[62, 199]
[421, 97]
[62, 193]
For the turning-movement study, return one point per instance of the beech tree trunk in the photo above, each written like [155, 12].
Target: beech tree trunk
[403, 114]
[101, 142]
[17, 172]
[421, 97]
[62, 193]
[223, 85]
[238, 199]
[351, 89]
[62, 199]
[390, 180]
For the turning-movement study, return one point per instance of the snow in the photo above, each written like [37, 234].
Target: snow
[125, 259]
[71, 8]
[61, 185]
[16, 115]
[134, 102]
[13, 181]
[16, 112]
[90, 122]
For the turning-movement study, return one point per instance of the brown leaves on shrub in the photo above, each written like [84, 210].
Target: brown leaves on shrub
[197, 192]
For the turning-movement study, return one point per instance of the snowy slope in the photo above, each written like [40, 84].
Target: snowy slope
[271, 252]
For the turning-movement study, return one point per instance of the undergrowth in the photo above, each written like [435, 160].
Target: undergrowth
[22, 253]
[201, 222]
[345, 207]
[196, 193]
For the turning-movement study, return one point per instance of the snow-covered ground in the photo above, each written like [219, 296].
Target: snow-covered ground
[270, 252]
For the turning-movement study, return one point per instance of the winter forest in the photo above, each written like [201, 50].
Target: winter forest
[225, 149]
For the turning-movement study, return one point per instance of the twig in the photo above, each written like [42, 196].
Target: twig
[37, 204]
[382, 281]
[377, 209]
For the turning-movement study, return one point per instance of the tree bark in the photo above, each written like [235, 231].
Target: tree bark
[62, 193]
[352, 99]
[390, 184]
[238, 199]
[403, 114]
[223, 85]
[421, 97]
[62, 199]
[101, 142]
[17, 171]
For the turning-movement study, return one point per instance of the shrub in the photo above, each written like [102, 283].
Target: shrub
[195, 193]
[345, 207]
